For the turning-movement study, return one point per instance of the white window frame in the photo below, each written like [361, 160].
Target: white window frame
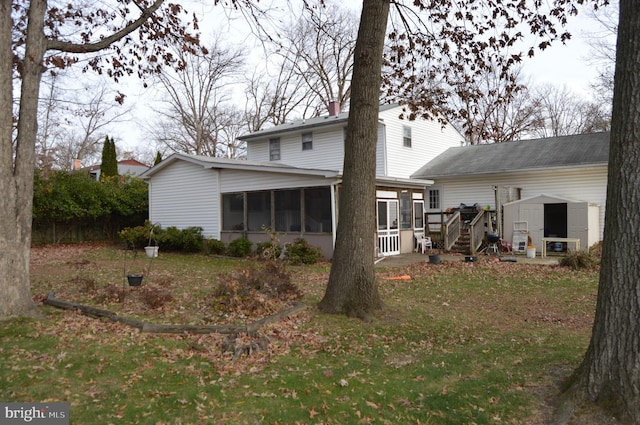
[417, 203]
[274, 149]
[406, 136]
[437, 193]
[307, 141]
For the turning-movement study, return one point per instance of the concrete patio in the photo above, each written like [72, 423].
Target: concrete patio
[407, 259]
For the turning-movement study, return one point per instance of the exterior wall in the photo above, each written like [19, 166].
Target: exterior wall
[322, 241]
[381, 152]
[327, 152]
[428, 140]
[185, 195]
[240, 181]
[583, 184]
[133, 170]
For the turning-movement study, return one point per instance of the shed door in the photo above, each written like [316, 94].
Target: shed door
[534, 215]
[578, 222]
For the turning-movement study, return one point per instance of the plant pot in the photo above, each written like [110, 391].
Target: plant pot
[531, 251]
[151, 251]
[135, 279]
[434, 258]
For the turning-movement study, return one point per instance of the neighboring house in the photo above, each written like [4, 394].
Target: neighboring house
[126, 167]
[291, 181]
[553, 187]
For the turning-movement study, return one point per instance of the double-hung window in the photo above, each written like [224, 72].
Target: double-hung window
[406, 136]
[307, 141]
[434, 199]
[274, 149]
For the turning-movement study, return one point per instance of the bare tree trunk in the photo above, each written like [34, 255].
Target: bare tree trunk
[610, 371]
[352, 288]
[17, 184]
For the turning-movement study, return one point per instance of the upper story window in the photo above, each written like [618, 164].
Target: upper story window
[406, 136]
[307, 141]
[274, 149]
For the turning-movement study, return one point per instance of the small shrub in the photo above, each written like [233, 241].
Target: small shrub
[154, 297]
[139, 235]
[214, 247]
[255, 291]
[191, 239]
[268, 250]
[170, 239]
[85, 284]
[300, 252]
[110, 294]
[595, 251]
[578, 260]
[240, 247]
[231, 295]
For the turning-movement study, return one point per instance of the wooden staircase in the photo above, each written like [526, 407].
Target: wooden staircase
[463, 243]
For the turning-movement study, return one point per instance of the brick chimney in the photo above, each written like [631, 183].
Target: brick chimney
[77, 164]
[334, 108]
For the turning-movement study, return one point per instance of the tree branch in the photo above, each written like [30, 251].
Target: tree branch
[69, 47]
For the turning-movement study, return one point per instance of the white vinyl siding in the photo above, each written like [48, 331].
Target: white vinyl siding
[185, 195]
[327, 152]
[582, 184]
[428, 140]
[381, 152]
[248, 181]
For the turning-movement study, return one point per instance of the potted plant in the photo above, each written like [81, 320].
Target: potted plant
[151, 250]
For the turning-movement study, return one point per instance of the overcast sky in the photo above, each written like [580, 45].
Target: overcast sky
[558, 65]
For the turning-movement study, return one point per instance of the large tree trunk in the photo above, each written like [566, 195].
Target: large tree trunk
[16, 180]
[352, 288]
[610, 372]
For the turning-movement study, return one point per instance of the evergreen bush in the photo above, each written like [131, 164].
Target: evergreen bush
[240, 247]
[301, 252]
[214, 247]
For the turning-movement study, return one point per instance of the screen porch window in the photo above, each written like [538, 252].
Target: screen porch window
[307, 141]
[287, 210]
[418, 214]
[405, 210]
[274, 149]
[317, 209]
[258, 210]
[233, 211]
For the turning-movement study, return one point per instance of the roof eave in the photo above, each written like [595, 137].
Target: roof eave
[518, 170]
[404, 183]
[294, 127]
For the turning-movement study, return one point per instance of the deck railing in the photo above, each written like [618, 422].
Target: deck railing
[451, 230]
[477, 231]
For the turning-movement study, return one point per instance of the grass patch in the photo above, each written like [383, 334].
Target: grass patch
[480, 343]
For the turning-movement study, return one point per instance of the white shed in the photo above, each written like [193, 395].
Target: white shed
[552, 216]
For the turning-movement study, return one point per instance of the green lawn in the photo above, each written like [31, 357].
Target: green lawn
[459, 343]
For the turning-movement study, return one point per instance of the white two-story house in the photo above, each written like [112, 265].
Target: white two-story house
[291, 181]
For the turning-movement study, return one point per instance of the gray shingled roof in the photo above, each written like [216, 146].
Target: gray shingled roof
[554, 152]
[212, 163]
[305, 124]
